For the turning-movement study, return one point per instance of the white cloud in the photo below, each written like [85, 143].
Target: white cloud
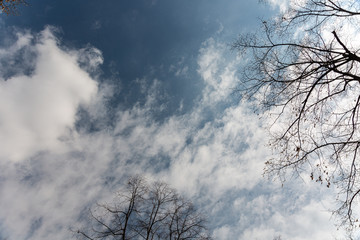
[308, 220]
[37, 110]
[216, 71]
[281, 4]
[96, 25]
[50, 173]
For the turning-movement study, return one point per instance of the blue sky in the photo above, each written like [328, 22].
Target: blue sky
[92, 93]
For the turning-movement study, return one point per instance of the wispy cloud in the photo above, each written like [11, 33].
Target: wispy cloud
[51, 172]
[96, 25]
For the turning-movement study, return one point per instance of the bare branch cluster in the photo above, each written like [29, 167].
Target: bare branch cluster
[9, 7]
[308, 73]
[146, 212]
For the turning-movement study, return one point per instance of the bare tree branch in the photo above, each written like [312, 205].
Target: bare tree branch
[10, 7]
[150, 212]
[309, 76]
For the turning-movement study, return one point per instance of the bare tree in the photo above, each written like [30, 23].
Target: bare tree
[305, 69]
[146, 212]
[9, 7]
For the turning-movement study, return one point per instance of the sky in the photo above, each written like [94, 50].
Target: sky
[93, 93]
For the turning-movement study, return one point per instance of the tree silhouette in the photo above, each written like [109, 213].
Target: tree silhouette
[305, 69]
[10, 6]
[146, 211]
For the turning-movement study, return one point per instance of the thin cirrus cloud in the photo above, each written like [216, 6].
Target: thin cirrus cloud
[52, 172]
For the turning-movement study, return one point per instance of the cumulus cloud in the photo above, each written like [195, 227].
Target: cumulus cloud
[51, 172]
[37, 110]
